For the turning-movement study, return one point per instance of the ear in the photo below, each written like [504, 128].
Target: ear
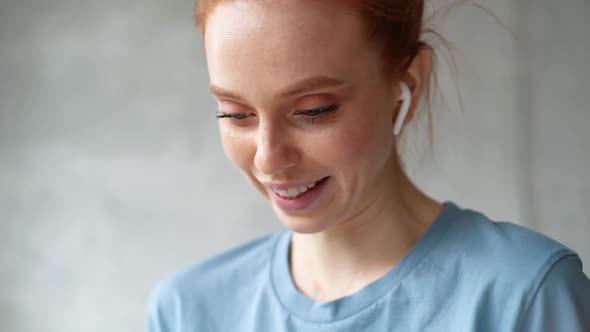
[416, 77]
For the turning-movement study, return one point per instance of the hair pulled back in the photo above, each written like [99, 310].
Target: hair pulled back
[394, 25]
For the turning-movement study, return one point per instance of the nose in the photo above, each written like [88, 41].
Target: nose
[275, 151]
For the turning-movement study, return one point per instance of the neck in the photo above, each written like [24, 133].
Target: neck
[351, 254]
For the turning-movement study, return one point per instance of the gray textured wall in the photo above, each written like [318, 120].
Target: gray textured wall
[112, 175]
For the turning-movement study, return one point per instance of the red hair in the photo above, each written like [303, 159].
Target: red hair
[395, 26]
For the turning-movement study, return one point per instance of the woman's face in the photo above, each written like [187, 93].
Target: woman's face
[306, 110]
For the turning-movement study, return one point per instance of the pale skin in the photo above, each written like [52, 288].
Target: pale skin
[267, 61]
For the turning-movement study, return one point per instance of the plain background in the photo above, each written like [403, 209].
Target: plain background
[112, 175]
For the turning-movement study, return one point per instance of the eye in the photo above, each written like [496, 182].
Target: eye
[316, 112]
[238, 118]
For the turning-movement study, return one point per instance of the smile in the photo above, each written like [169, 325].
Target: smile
[295, 191]
[297, 197]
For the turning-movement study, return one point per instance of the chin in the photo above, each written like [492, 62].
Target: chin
[302, 224]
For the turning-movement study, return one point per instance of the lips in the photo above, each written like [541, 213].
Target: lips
[295, 191]
[297, 196]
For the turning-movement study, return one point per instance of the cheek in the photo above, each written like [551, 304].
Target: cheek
[236, 147]
[366, 148]
[359, 146]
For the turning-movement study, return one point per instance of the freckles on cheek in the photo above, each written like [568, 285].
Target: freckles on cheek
[236, 150]
[360, 146]
[350, 146]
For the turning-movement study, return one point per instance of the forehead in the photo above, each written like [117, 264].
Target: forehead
[280, 41]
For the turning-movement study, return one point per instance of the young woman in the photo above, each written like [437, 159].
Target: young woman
[313, 96]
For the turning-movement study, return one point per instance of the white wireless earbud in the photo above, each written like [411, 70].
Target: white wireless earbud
[406, 99]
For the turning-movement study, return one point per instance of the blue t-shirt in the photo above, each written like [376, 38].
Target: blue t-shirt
[467, 273]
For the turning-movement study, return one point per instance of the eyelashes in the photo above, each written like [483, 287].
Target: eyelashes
[315, 112]
[312, 114]
[236, 116]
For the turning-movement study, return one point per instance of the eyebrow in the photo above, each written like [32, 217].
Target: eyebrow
[298, 88]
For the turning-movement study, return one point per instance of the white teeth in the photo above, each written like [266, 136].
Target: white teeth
[295, 191]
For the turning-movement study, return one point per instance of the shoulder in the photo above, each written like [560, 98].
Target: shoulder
[503, 246]
[505, 270]
[561, 302]
[506, 259]
[212, 281]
